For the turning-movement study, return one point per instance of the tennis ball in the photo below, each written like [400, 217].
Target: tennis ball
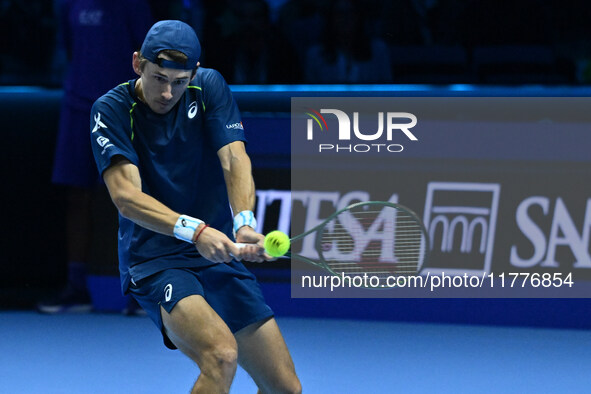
[276, 243]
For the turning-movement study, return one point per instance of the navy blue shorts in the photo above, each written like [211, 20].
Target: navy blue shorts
[230, 289]
[74, 163]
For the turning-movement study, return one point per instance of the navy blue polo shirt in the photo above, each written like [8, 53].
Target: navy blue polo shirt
[176, 154]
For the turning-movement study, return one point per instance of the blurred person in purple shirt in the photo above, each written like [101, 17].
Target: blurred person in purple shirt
[97, 37]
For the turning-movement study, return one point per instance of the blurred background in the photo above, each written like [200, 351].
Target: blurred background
[293, 42]
[270, 51]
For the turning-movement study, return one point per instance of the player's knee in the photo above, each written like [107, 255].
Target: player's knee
[226, 357]
[220, 359]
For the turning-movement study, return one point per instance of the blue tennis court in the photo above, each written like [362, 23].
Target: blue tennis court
[111, 353]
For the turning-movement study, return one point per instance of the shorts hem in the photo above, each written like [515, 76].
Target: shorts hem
[260, 317]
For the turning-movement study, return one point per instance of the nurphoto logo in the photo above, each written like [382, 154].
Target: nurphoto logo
[375, 133]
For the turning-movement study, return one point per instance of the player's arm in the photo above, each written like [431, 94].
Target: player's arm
[124, 184]
[241, 193]
[238, 176]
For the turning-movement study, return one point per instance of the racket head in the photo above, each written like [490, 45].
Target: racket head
[375, 238]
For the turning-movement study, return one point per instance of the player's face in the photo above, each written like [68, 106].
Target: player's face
[162, 88]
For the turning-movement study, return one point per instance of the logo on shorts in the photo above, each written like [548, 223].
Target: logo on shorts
[168, 293]
[192, 110]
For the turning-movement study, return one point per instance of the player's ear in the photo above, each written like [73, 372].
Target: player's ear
[136, 63]
[194, 74]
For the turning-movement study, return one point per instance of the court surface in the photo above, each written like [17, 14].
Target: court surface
[110, 353]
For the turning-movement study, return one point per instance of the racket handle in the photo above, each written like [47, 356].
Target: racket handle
[239, 245]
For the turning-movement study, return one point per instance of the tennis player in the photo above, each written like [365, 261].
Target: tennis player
[170, 146]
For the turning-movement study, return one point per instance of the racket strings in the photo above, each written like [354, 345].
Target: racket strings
[381, 242]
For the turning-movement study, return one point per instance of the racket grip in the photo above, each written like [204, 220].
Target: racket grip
[239, 245]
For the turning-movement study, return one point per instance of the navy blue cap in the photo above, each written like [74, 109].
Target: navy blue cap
[175, 35]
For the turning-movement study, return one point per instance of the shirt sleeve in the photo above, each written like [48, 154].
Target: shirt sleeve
[110, 133]
[222, 117]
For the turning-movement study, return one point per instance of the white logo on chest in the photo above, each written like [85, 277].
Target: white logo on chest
[192, 110]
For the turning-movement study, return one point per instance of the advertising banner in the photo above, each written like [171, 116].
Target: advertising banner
[500, 185]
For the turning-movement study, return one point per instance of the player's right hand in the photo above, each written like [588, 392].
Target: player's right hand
[216, 246]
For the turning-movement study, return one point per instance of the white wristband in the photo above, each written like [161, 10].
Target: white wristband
[185, 227]
[244, 218]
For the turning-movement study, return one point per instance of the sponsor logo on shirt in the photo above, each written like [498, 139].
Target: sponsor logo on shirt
[98, 124]
[104, 143]
[235, 126]
[192, 110]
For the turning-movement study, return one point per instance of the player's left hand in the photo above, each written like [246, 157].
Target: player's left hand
[254, 250]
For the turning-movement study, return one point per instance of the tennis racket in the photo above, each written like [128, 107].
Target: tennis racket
[375, 238]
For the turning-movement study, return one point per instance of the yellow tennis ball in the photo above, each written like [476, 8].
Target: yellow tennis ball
[276, 243]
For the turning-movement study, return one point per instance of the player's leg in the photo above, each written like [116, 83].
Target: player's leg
[195, 328]
[174, 300]
[233, 292]
[262, 352]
